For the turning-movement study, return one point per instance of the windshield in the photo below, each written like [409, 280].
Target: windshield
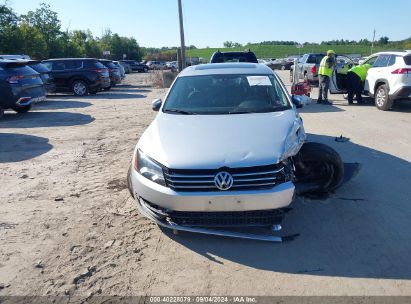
[226, 94]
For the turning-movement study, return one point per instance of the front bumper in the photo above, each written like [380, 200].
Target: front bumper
[145, 210]
[277, 197]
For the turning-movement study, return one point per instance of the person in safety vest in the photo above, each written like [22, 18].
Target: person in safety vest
[327, 66]
[355, 82]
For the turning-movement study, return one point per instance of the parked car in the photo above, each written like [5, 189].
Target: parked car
[281, 64]
[308, 67]
[12, 57]
[156, 65]
[114, 72]
[121, 69]
[241, 153]
[45, 75]
[20, 86]
[388, 80]
[127, 68]
[246, 56]
[78, 75]
[172, 65]
[136, 66]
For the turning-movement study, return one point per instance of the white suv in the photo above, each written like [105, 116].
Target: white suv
[388, 80]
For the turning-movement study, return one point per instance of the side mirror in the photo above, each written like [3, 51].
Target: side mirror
[300, 100]
[156, 104]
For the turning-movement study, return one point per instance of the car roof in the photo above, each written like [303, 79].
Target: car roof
[226, 68]
[60, 59]
[398, 53]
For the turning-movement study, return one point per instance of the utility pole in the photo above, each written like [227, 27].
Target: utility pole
[182, 61]
[372, 44]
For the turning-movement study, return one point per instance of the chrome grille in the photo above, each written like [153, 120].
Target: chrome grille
[248, 178]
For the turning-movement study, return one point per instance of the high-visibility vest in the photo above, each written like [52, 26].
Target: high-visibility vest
[324, 69]
[361, 70]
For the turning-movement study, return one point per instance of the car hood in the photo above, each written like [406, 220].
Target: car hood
[216, 141]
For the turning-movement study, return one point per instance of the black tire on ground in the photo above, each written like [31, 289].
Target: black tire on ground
[129, 185]
[79, 88]
[322, 165]
[1, 112]
[382, 99]
[23, 109]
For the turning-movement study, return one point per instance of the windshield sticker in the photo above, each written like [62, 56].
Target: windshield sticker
[259, 81]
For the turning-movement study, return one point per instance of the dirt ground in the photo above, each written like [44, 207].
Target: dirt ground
[68, 225]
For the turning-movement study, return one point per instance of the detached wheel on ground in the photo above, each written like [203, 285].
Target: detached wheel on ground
[80, 88]
[321, 165]
[23, 109]
[382, 99]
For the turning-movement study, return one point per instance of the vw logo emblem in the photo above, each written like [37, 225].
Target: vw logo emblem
[223, 180]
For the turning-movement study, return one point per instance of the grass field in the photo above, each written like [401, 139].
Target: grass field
[281, 51]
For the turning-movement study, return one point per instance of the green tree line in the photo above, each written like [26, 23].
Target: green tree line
[39, 35]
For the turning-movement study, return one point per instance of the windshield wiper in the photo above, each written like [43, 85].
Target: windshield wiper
[177, 111]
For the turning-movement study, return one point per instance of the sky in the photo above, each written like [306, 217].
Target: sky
[208, 23]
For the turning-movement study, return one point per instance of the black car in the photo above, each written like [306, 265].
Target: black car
[136, 66]
[113, 70]
[246, 56]
[281, 64]
[20, 86]
[78, 75]
[45, 75]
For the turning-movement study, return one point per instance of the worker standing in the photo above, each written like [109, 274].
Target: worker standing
[327, 65]
[355, 82]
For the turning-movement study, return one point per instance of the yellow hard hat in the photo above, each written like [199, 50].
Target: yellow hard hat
[329, 52]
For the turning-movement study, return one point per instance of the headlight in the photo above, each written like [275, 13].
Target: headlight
[149, 168]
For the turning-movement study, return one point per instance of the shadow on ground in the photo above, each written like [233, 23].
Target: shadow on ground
[44, 119]
[19, 147]
[52, 104]
[361, 231]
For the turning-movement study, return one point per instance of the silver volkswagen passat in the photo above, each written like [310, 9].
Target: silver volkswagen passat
[219, 152]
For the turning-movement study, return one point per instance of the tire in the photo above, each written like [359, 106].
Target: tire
[23, 109]
[322, 165]
[382, 99]
[80, 88]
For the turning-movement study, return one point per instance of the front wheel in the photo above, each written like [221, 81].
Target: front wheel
[320, 165]
[79, 88]
[23, 109]
[382, 99]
